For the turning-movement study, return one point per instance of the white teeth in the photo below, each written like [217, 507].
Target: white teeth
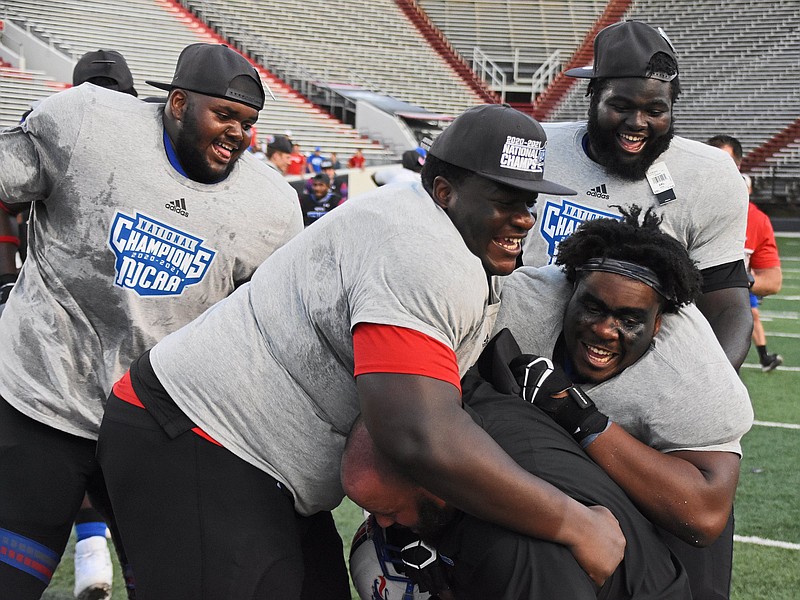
[508, 243]
[600, 351]
[631, 138]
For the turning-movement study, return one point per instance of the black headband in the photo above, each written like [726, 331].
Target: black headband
[628, 269]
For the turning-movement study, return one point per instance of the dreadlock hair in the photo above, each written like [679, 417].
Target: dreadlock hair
[640, 243]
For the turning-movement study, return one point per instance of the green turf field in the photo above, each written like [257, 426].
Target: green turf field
[767, 551]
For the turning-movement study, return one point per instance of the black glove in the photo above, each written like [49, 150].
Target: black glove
[540, 380]
[423, 567]
[6, 283]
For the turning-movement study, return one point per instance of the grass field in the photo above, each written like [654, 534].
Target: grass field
[767, 550]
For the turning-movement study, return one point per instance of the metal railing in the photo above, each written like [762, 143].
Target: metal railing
[489, 72]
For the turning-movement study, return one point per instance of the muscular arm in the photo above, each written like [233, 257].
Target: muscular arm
[688, 493]
[767, 281]
[728, 312]
[418, 422]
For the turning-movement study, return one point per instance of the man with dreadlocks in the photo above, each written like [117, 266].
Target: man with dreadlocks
[616, 320]
[672, 410]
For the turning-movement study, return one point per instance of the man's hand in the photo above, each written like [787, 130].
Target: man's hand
[548, 387]
[601, 547]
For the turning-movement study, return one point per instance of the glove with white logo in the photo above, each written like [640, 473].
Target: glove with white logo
[424, 568]
[547, 386]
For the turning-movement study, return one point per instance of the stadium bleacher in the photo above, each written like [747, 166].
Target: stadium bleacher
[738, 65]
[151, 34]
[738, 59]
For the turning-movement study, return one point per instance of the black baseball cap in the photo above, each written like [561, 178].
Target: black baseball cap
[104, 63]
[280, 143]
[625, 49]
[216, 70]
[499, 143]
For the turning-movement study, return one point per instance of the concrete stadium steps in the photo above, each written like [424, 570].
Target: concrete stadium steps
[151, 34]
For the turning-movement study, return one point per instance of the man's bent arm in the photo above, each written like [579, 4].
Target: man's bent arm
[767, 281]
[728, 312]
[418, 422]
[688, 493]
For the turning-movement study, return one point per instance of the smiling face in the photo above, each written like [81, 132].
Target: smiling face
[211, 135]
[609, 324]
[630, 125]
[492, 218]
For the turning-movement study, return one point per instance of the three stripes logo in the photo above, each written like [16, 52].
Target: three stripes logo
[599, 192]
[178, 206]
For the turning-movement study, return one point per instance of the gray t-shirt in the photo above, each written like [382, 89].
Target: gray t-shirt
[122, 248]
[683, 394]
[708, 215]
[268, 372]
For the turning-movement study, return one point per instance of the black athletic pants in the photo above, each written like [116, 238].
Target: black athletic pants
[44, 473]
[199, 522]
[710, 568]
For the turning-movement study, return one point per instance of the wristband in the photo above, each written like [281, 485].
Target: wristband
[590, 438]
[9, 239]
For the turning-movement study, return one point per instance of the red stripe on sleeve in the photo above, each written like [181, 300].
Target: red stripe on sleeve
[390, 349]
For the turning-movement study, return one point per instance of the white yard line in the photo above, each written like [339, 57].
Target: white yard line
[781, 368]
[774, 424]
[748, 539]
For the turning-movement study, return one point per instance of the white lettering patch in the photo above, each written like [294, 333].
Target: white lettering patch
[520, 154]
[155, 259]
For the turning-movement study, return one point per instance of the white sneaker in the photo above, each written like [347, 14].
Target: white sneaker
[93, 570]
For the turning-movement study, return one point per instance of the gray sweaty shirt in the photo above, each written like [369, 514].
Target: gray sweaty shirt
[708, 215]
[122, 248]
[268, 372]
[683, 394]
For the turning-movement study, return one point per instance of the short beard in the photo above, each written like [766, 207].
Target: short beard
[606, 150]
[433, 520]
[192, 159]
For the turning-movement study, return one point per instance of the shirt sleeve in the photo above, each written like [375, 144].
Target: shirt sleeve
[35, 154]
[389, 349]
[765, 250]
[442, 294]
[719, 216]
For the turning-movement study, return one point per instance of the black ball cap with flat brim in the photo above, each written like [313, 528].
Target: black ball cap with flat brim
[216, 70]
[499, 143]
[104, 63]
[625, 49]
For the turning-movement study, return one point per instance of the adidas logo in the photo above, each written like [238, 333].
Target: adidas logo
[178, 206]
[599, 192]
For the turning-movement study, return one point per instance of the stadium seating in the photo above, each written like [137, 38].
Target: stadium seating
[371, 44]
[151, 34]
[738, 59]
[738, 64]
[514, 30]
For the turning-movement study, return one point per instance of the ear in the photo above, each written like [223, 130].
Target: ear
[657, 325]
[178, 102]
[444, 194]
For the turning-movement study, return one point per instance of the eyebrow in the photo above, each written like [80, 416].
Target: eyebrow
[624, 311]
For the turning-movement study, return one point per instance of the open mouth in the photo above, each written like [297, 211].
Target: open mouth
[512, 245]
[630, 142]
[224, 150]
[598, 357]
